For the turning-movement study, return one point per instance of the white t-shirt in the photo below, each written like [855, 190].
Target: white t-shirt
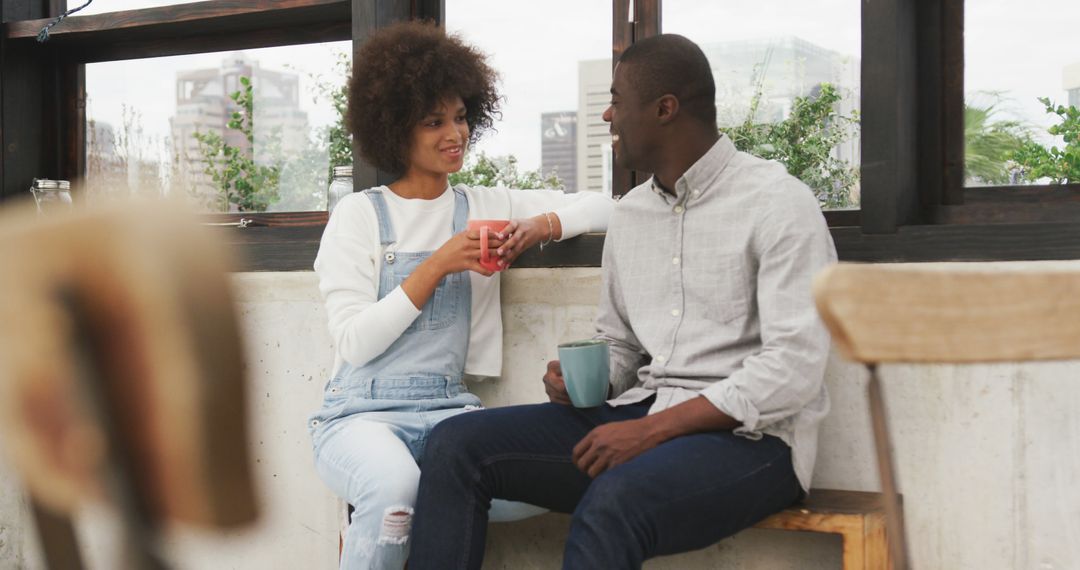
[350, 255]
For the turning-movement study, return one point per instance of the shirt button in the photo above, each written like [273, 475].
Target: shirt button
[674, 260]
[697, 192]
[674, 312]
[661, 358]
[679, 209]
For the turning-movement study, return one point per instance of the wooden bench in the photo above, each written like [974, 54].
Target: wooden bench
[858, 517]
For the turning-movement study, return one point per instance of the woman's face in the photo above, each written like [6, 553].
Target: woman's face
[439, 141]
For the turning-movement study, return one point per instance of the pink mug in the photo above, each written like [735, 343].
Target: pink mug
[486, 227]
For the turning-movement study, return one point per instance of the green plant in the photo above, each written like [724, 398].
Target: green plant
[336, 136]
[1060, 165]
[990, 143]
[241, 182]
[804, 143]
[482, 170]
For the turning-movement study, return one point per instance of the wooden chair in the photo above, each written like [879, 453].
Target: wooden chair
[889, 314]
[121, 373]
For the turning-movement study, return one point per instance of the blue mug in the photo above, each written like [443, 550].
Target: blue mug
[586, 371]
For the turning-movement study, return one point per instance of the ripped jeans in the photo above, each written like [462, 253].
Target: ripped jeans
[373, 461]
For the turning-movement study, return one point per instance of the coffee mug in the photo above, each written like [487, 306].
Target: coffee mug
[586, 370]
[487, 259]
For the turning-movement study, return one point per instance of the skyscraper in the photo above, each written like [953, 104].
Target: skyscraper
[558, 147]
[203, 104]
[593, 137]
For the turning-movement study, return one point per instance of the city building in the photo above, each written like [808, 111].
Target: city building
[558, 147]
[593, 137]
[1071, 83]
[203, 104]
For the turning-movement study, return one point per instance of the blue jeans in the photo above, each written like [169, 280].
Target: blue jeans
[682, 495]
[373, 460]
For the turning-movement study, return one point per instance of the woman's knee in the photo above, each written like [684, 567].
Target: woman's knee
[369, 465]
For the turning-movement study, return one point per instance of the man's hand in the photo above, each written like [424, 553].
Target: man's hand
[618, 442]
[554, 384]
[613, 444]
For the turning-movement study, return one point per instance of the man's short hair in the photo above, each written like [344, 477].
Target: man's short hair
[672, 64]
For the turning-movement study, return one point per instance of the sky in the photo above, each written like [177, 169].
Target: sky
[536, 46]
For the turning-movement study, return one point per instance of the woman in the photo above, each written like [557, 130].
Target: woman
[411, 309]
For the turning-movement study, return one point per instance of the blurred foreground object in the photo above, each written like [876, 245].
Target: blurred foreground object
[121, 373]
[880, 314]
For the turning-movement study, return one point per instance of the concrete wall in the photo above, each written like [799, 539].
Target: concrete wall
[988, 455]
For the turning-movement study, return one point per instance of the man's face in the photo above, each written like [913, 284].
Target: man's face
[631, 131]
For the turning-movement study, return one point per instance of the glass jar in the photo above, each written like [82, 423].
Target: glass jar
[51, 196]
[340, 186]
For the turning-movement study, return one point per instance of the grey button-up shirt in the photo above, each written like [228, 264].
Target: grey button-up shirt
[708, 293]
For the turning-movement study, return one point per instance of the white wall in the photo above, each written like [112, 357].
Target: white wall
[988, 456]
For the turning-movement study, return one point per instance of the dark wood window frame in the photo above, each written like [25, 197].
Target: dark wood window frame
[914, 206]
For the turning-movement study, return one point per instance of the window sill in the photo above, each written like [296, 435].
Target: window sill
[285, 248]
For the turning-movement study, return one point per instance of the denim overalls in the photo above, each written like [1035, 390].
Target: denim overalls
[370, 433]
[422, 370]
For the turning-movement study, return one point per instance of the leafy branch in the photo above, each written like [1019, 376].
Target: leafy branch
[240, 181]
[804, 143]
[1060, 165]
[482, 170]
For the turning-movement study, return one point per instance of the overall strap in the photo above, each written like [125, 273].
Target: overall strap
[386, 231]
[461, 211]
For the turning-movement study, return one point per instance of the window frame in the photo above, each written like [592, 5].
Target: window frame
[914, 206]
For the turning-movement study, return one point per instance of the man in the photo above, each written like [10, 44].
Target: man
[717, 354]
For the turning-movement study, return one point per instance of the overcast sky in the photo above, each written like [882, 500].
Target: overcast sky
[1019, 48]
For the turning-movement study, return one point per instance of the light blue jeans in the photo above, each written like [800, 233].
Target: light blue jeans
[373, 460]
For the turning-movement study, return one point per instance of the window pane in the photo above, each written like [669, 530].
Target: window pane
[102, 6]
[781, 64]
[186, 125]
[1021, 78]
[555, 61]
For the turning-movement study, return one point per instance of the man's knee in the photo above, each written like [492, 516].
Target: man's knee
[609, 496]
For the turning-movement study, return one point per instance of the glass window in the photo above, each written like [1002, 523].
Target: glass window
[555, 63]
[247, 131]
[1020, 103]
[787, 83]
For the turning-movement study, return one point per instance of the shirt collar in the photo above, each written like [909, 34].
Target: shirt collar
[702, 173]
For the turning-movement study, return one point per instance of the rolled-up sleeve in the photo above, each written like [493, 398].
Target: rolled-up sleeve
[787, 373]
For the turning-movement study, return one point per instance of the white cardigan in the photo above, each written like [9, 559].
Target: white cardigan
[350, 256]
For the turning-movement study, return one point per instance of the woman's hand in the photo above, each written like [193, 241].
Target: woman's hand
[462, 253]
[526, 232]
